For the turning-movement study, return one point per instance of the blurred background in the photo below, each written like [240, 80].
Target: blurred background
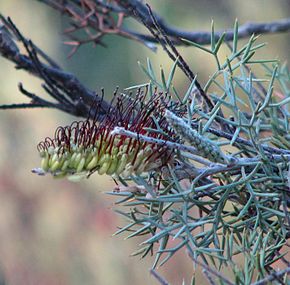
[58, 232]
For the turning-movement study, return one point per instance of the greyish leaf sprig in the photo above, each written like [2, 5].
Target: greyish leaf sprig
[204, 146]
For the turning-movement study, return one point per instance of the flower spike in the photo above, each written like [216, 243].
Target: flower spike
[87, 146]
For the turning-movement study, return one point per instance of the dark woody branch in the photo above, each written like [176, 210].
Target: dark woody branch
[99, 18]
[202, 38]
[67, 91]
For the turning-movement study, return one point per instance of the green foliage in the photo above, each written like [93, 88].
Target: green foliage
[221, 213]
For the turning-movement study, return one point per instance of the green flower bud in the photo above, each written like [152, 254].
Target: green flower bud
[113, 166]
[45, 162]
[65, 165]
[122, 164]
[104, 168]
[128, 170]
[93, 163]
[55, 166]
[81, 164]
[77, 160]
[77, 177]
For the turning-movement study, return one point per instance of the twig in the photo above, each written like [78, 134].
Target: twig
[208, 269]
[165, 41]
[159, 278]
[272, 276]
[239, 140]
[96, 19]
[24, 106]
[190, 149]
[37, 100]
[204, 38]
[177, 55]
[174, 55]
[173, 145]
[208, 277]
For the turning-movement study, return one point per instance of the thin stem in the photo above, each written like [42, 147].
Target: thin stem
[190, 149]
[272, 277]
[158, 277]
[208, 269]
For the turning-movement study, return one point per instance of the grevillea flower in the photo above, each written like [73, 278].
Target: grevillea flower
[87, 146]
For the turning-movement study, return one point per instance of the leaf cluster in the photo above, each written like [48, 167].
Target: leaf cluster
[222, 214]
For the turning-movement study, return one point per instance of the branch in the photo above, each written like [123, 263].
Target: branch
[203, 38]
[158, 277]
[86, 13]
[71, 96]
[208, 277]
[208, 269]
[215, 167]
[240, 140]
[273, 276]
[96, 19]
